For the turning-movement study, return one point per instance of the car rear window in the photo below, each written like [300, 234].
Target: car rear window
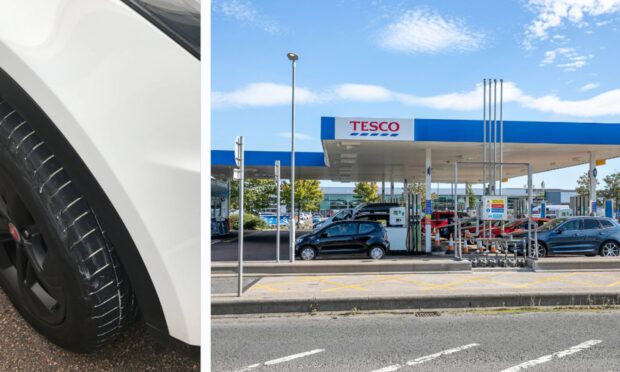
[365, 228]
[606, 224]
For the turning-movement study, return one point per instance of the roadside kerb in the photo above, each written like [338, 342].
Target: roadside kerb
[343, 267]
[238, 306]
[574, 264]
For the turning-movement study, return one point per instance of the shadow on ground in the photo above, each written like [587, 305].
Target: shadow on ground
[22, 348]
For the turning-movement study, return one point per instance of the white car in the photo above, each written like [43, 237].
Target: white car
[100, 167]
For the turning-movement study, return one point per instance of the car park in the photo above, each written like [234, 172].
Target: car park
[344, 237]
[576, 235]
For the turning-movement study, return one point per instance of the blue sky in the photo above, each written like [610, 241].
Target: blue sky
[426, 59]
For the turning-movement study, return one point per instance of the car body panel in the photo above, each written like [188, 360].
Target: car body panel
[127, 98]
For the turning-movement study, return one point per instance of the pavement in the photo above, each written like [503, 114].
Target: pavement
[482, 341]
[23, 349]
[277, 294]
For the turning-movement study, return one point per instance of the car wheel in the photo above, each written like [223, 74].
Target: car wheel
[376, 252]
[610, 249]
[307, 253]
[56, 264]
[542, 250]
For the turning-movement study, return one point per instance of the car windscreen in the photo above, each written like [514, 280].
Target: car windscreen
[179, 19]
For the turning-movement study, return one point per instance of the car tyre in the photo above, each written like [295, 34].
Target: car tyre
[376, 252]
[307, 253]
[542, 250]
[610, 249]
[56, 264]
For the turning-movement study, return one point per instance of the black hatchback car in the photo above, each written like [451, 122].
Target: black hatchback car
[344, 237]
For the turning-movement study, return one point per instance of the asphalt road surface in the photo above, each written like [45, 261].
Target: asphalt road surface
[257, 246]
[481, 341]
[23, 349]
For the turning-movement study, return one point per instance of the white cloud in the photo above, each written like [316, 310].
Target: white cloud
[270, 94]
[572, 60]
[600, 105]
[262, 94]
[298, 136]
[421, 31]
[244, 12]
[554, 14]
[588, 87]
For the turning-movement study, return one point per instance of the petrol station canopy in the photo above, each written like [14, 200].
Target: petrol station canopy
[387, 149]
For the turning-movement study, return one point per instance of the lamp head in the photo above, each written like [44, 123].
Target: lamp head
[292, 56]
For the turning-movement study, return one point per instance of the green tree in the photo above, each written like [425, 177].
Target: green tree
[308, 195]
[469, 191]
[420, 189]
[583, 185]
[612, 186]
[259, 194]
[367, 192]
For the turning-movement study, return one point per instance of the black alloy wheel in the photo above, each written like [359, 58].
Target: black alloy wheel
[26, 263]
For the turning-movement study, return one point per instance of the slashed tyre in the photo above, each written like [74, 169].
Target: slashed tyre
[56, 265]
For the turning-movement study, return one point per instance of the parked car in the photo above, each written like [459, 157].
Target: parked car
[344, 214]
[443, 218]
[516, 226]
[344, 237]
[376, 208]
[577, 235]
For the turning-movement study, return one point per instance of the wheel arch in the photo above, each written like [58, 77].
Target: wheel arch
[116, 231]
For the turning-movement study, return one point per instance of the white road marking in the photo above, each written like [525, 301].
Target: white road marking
[426, 358]
[281, 360]
[294, 356]
[557, 355]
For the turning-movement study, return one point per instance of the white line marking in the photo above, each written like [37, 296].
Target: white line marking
[557, 355]
[294, 356]
[426, 358]
[249, 368]
[281, 360]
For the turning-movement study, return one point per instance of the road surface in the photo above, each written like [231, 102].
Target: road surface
[482, 341]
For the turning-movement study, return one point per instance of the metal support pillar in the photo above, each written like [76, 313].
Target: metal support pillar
[277, 171]
[383, 191]
[427, 205]
[391, 190]
[530, 202]
[592, 208]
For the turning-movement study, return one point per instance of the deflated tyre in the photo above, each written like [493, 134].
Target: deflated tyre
[56, 265]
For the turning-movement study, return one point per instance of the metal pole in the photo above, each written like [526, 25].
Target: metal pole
[428, 203]
[489, 142]
[457, 251]
[494, 135]
[501, 134]
[240, 230]
[484, 135]
[383, 190]
[292, 221]
[278, 211]
[530, 199]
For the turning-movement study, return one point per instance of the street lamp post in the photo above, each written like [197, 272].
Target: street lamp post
[293, 58]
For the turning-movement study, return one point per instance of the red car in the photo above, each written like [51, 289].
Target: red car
[516, 226]
[442, 218]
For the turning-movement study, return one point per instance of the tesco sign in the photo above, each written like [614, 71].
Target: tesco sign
[382, 129]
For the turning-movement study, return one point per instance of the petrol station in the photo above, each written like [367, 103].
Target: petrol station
[389, 150]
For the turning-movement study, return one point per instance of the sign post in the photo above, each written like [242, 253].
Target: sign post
[239, 160]
[277, 174]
